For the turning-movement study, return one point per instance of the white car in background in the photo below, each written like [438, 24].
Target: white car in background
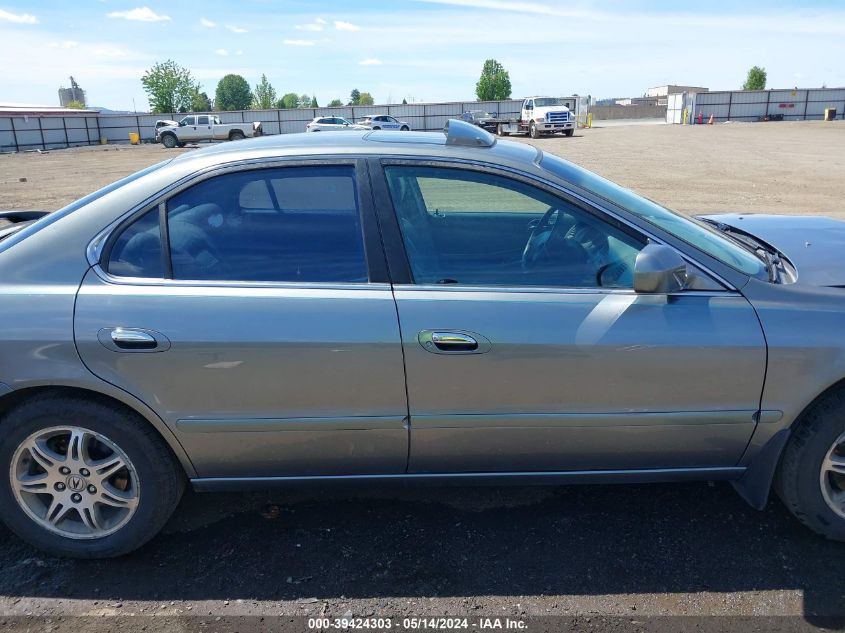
[331, 124]
[384, 122]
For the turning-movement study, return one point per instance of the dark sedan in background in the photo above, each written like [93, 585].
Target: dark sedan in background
[481, 118]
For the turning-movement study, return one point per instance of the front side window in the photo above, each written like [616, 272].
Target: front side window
[292, 224]
[474, 228]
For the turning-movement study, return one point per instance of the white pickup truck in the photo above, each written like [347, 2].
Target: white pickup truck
[204, 127]
[541, 116]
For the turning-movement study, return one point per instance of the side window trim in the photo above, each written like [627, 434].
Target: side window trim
[376, 262]
[394, 246]
[166, 258]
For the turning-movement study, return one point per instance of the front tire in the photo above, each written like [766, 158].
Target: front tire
[85, 478]
[533, 132]
[404, 128]
[811, 476]
[568, 132]
[169, 141]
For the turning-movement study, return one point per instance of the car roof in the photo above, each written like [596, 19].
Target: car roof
[365, 142]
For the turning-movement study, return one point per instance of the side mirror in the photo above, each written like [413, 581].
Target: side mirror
[659, 269]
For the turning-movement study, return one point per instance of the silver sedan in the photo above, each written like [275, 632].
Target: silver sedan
[361, 307]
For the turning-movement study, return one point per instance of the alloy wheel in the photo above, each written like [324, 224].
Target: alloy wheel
[833, 476]
[74, 482]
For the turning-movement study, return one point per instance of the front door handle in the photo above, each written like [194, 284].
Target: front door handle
[133, 339]
[453, 342]
[122, 339]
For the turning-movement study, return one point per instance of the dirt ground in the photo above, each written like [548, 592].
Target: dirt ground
[764, 167]
[589, 553]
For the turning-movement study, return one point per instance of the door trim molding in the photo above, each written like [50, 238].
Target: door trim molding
[276, 425]
[587, 420]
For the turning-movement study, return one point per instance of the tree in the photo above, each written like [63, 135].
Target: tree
[76, 105]
[354, 97]
[494, 83]
[314, 103]
[290, 100]
[335, 103]
[200, 102]
[169, 87]
[756, 79]
[264, 96]
[365, 99]
[304, 101]
[404, 101]
[233, 93]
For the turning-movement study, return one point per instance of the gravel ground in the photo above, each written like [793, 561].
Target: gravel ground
[764, 167]
[586, 552]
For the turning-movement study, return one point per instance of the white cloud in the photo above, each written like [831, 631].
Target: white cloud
[320, 21]
[346, 26]
[141, 14]
[236, 29]
[222, 52]
[312, 26]
[207, 23]
[299, 42]
[500, 5]
[239, 52]
[17, 18]
[370, 61]
[65, 44]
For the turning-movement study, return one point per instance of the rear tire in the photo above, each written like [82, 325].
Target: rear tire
[169, 141]
[500, 130]
[102, 512]
[236, 135]
[404, 128]
[811, 477]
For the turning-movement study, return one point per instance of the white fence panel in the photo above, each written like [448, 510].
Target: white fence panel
[742, 111]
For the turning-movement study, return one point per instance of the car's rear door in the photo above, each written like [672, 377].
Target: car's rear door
[521, 361]
[264, 332]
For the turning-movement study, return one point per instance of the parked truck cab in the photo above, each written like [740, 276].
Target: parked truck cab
[541, 116]
[547, 115]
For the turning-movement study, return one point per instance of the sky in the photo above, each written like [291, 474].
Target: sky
[419, 50]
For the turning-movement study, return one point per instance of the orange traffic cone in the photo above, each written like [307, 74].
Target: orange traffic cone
[710, 120]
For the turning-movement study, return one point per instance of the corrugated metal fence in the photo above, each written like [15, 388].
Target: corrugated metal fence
[752, 105]
[20, 133]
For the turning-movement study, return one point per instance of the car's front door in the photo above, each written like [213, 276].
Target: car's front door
[526, 348]
[188, 129]
[266, 335]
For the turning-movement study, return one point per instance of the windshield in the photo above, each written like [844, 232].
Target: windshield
[78, 204]
[481, 114]
[690, 230]
[549, 101]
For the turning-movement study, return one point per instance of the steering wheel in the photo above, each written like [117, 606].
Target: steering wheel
[552, 247]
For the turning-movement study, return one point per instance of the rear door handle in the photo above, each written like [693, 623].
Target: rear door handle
[121, 339]
[453, 342]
